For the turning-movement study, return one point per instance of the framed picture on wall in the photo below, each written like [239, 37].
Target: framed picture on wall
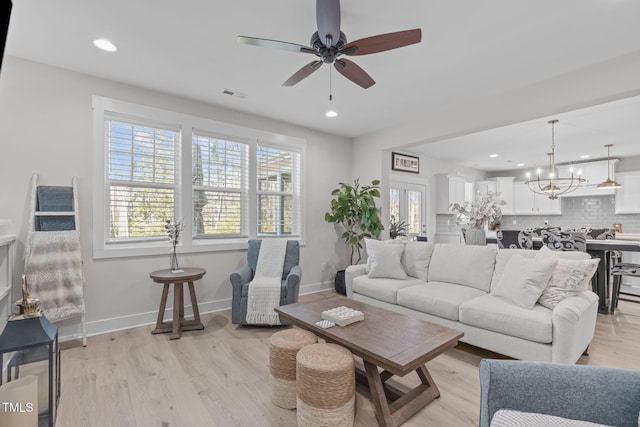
[405, 163]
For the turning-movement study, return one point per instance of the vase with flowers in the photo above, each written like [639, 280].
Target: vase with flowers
[475, 216]
[174, 230]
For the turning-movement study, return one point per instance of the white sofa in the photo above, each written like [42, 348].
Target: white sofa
[452, 284]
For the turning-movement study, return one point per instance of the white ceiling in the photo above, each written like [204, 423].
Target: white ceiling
[470, 50]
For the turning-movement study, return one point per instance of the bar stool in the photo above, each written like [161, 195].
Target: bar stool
[619, 271]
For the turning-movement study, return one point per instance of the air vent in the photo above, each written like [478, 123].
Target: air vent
[234, 93]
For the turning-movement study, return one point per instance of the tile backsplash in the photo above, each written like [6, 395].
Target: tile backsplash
[588, 211]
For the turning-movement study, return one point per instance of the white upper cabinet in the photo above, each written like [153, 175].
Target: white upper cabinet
[501, 185]
[526, 202]
[450, 189]
[628, 196]
[594, 173]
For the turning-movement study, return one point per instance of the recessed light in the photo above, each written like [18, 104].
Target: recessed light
[585, 156]
[493, 156]
[105, 45]
[331, 113]
[520, 164]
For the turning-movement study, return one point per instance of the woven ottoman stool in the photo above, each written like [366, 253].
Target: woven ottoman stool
[326, 386]
[284, 346]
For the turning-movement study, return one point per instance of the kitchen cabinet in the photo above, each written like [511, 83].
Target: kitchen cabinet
[451, 189]
[628, 196]
[594, 173]
[526, 202]
[502, 185]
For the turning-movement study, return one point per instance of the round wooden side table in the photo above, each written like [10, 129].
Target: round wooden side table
[178, 324]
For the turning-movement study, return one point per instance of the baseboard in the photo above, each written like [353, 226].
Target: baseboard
[70, 330]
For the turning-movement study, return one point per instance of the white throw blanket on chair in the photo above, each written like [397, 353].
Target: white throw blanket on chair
[264, 289]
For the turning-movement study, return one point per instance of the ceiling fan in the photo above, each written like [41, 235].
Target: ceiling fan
[329, 44]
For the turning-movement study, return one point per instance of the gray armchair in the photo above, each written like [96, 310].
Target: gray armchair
[291, 275]
[595, 394]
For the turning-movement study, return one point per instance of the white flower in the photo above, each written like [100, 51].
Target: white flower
[485, 209]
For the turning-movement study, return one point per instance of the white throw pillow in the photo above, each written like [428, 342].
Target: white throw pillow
[545, 252]
[416, 257]
[524, 279]
[372, 245]
[570, 277]
[387, 264]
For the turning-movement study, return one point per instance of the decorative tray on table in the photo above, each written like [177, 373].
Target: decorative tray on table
[342, 316]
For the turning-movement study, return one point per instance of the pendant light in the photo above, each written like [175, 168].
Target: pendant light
[609, 183]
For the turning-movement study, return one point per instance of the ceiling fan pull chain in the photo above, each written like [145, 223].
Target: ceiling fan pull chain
[330, 85]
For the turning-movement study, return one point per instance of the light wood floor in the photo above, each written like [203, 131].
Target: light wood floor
[219, 376]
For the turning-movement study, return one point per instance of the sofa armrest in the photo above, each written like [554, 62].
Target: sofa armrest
[574, 322]
[240, 276]
[352, 272]
[590, 393]
[293, 284]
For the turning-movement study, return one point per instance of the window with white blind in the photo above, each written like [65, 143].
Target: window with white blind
[226, 183]
[219, 177]
[277, 192]
[141, 180]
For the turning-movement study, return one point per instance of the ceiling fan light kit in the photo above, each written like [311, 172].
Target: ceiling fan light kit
[329, 44]
[553, 186]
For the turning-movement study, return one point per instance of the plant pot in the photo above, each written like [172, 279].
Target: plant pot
[340, 284]
[475, 236]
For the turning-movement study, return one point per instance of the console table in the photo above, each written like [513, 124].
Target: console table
[178, 324]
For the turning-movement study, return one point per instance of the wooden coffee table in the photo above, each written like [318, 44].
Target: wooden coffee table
[396, 343]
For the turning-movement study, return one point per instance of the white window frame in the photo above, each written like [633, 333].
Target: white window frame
[103, 106]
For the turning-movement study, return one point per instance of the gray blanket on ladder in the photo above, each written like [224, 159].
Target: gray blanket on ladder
[53, 266]
[54, 199]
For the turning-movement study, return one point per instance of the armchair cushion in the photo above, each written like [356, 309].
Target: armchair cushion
[595, 394]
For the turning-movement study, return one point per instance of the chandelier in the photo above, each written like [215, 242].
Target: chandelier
[553, 186]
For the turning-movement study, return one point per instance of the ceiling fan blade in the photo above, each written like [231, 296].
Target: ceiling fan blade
[382, 42]
[303, 73]
[274, 44]
[328, 21]
[354, 73]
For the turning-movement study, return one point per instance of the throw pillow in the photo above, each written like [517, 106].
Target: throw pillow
[387, 264]
[549, 253]
[372, 245]
[524, 279]
[415, 259]
[570, 277]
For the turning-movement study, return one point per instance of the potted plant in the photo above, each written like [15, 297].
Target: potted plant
[353, 207]
[476, 215]
[397, 228]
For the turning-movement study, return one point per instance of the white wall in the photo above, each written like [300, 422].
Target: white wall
[46, 127]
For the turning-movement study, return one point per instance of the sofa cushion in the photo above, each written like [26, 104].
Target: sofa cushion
[510, 418]
[416, 258]
[437, 298]
[382, 289]
[524, 279]
[570, 277]
[387, 262]
[494, 314]
[466, 265]
[502, 258]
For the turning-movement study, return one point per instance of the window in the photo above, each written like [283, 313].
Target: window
[227, 183]
[220, 187]
[141, 180]
[277, 197]
[407, 204]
